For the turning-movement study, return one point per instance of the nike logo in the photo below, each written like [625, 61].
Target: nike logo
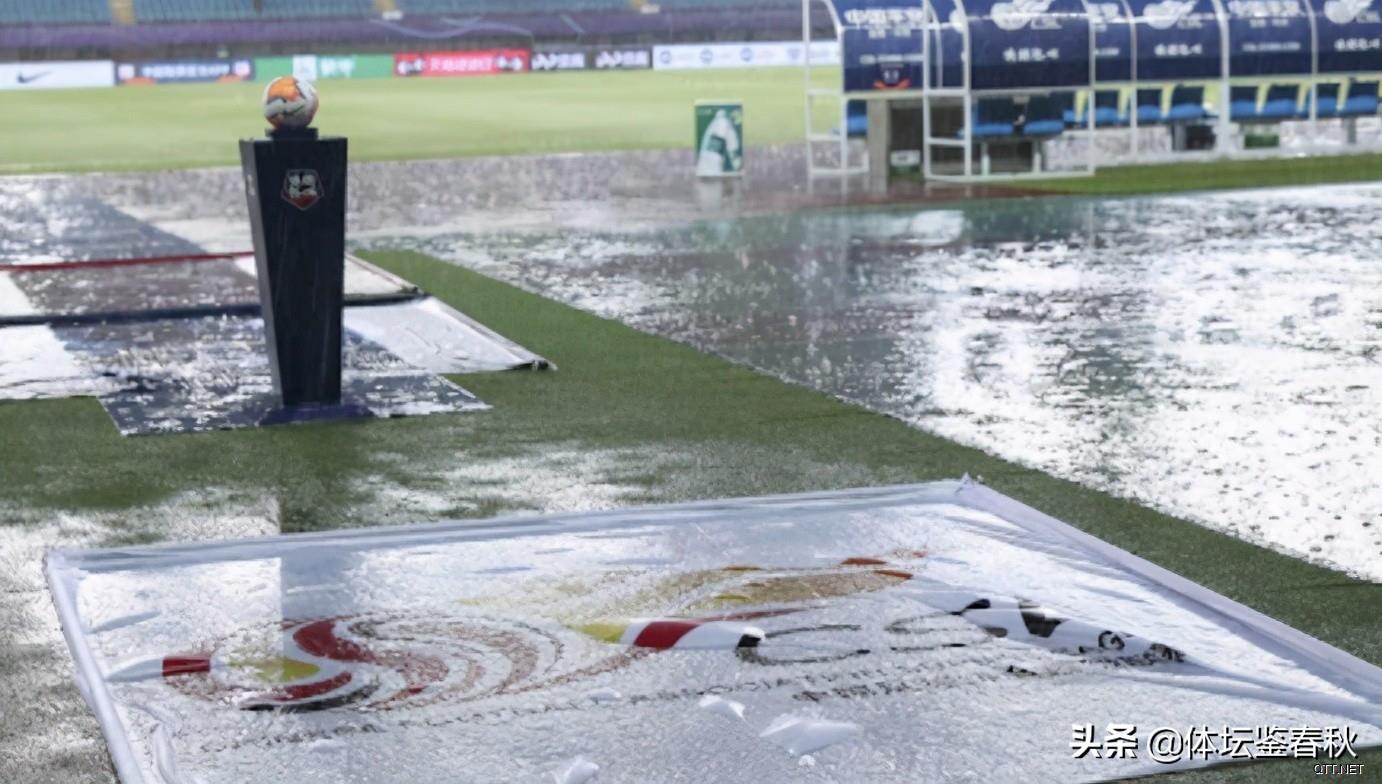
[24, 78]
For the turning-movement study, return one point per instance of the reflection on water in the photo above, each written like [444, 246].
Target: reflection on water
[1216, 356]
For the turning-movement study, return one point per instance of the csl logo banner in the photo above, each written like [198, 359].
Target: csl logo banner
[55, 74]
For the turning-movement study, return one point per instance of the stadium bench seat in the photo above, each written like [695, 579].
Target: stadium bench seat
[1242, 104]
[1108, 109]
[1187, 105]
[1282, 103]
[1044, 116]
[1149, 106]
[857, 118]
[992, 118]
[1328, 96]
[1072, 118]
[1362, 100]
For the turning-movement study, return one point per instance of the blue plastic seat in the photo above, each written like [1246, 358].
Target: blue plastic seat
[1328, 97]
[1149, 106]
[992, 118]
[1044, 116]
[1107, 109]
[1282, 103]
[1362, 100]
[1242, 104]
[1066, 101]
[856, 118]
[1187, 104]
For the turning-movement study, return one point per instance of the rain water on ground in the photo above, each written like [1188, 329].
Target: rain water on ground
[1217, 356]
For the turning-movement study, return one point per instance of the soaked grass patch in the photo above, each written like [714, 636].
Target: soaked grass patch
[1215, 175]
[628, 418]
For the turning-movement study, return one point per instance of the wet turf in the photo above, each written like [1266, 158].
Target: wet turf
[1168, 178]
[695, 426]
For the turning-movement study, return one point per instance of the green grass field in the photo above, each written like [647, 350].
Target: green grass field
[192, 125]
[688, 426]
[189, 125]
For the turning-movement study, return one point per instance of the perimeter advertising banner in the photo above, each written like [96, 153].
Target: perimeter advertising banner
[183, 71]
[755, 54]
[888, 635]
[478, 62]
[596, 58]
[313, 67]
[559, 60]
[48, 75]
[605, 58]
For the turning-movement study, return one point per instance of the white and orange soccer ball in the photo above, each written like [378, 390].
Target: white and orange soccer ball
[290, 102]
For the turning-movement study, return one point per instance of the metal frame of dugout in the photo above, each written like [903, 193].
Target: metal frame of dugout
[959, 58]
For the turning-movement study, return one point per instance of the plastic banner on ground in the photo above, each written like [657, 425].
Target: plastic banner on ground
[719, 139]
[479, 62]
[46, 75]
[1176, 39]
[752, 54]
[907, 634]
[181, 71]
[1350, 35]
[882, 42]
[314, 67]
[1269, 37]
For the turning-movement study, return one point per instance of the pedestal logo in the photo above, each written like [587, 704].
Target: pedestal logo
[301, 188]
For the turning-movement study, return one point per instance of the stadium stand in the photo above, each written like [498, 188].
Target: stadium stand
[55, 12]
[432, 7]
[231, 10]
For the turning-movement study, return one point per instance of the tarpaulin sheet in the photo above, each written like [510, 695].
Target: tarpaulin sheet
[175, 344]
[919, 633]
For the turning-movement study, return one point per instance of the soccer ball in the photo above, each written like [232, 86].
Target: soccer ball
[290, 102]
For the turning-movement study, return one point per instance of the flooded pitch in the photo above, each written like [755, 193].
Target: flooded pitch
[1216, 356]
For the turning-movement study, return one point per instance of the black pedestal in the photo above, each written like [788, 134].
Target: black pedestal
[296, 188]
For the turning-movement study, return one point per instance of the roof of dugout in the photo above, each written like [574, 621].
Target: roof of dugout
[881, 43]
[1035, 44]
[1349, 34]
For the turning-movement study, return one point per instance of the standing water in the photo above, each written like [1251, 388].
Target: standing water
[1217, 356]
